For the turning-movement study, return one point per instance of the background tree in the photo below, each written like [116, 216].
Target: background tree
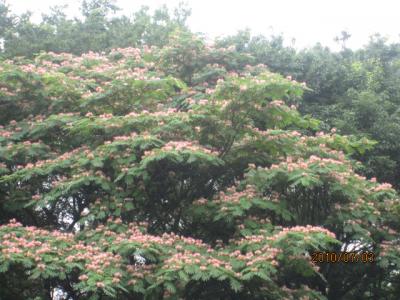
[97, 29]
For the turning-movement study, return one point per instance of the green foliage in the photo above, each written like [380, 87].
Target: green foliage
[185, 171]
[98, 29]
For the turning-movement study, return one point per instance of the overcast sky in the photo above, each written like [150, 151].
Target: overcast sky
[308, 21]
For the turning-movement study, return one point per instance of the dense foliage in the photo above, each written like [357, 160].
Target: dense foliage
[97, 29]
[357, 92]
[181, 170]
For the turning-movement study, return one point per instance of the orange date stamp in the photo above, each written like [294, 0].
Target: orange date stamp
[343, 257]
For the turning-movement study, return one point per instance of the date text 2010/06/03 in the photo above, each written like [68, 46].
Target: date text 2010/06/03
[343, 257]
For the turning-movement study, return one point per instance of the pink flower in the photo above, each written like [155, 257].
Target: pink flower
[203, 101]
[83, 277]
[116, 280]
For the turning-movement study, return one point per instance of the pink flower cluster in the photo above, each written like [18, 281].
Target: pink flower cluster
[181, 146]
[291, 164]
[303, 229]
[62, 157]
[306, 230]
[203, 261]
[126, 137]
[277, 103]
[383, 187]
[166, 113]
[272, 134]
[233, 197]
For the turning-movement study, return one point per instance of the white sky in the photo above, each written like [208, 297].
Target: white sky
[308, 21]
